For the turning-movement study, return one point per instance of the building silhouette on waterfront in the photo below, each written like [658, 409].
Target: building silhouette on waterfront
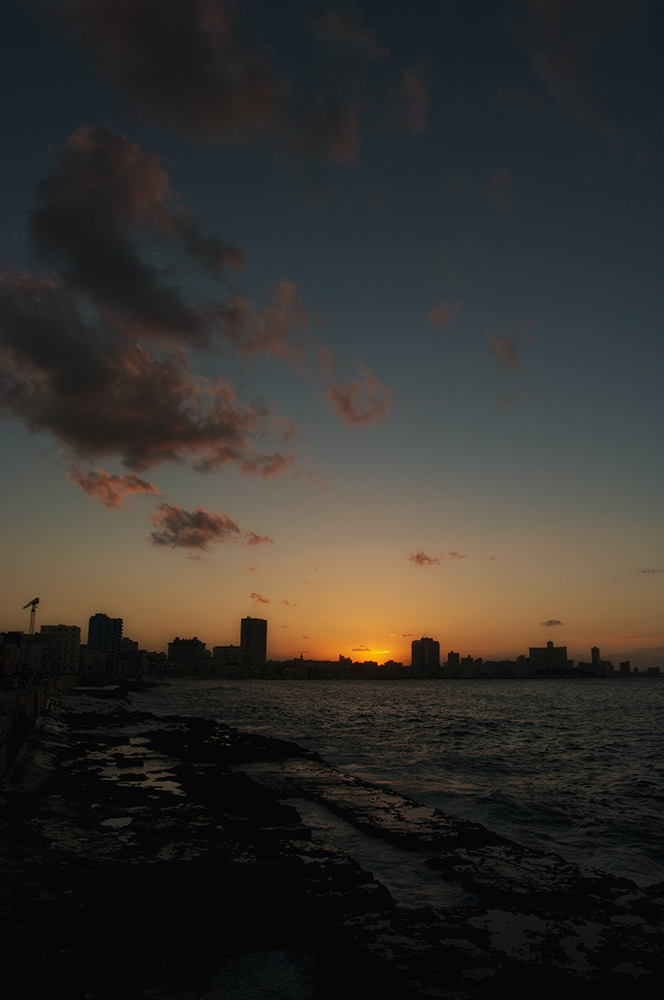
[105, 635]
[253, 639]
[425, 653]
[186, 654]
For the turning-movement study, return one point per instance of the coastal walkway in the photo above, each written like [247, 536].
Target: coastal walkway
[148, 857]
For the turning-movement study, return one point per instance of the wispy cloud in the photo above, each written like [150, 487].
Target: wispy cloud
[551, 621]
[457, 555]
[420, 559]
[502, 347]
[561, 38]
[360, 403]
[652, 569]
[266, 600]
[444, 312]
[110, 489]
[197, 529]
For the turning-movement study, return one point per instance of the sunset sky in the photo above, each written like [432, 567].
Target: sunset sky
[347, 316]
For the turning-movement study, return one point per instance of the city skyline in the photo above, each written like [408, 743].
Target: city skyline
[343, 316]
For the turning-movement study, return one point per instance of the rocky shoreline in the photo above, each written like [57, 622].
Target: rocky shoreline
[149, 858]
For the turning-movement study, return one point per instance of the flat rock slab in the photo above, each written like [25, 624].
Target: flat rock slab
[141, 856]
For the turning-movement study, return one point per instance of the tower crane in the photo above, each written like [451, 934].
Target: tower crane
[33, 606]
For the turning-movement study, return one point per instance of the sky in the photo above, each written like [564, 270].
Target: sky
[343, 315]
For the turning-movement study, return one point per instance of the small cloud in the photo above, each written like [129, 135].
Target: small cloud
[360, 404]
[443, 313]
[252, 569]
[360, 649]
[260, 598]
[110, 489]
[653, 569]
[407, 635]
[502, 348]
[251, 538]
[195, 529]
[492, 558]
[282, 626]
[423, 560]
[288, 603]
[551, 621]
[457, 555]
[496, 192]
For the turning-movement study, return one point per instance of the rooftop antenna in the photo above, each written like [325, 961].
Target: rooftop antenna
[33, 606]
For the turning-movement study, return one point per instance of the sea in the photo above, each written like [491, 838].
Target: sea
[572, 767]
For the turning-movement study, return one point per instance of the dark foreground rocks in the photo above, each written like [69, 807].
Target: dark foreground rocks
[152, 859]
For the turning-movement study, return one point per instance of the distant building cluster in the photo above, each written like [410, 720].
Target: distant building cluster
[108, 656]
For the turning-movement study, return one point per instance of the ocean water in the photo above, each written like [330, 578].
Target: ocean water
[570, 766]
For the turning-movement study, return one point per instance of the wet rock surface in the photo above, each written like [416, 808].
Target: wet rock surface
[152, 858]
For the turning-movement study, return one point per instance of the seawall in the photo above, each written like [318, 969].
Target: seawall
[18, 710]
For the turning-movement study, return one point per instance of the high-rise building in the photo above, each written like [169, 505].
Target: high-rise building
[547, 658]
[253, 639]
[425, 653]
[105, 634]
[63, 643]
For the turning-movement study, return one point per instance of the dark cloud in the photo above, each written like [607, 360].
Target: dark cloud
[502, 348]
[422, 560]
[203, 67]
[361, 649]
[188, 64]
[456, 555]
[103, 192]
[561, 37]
[552, 621]
[108, 488]
[360, 404]
[196, 529]
[101, 396]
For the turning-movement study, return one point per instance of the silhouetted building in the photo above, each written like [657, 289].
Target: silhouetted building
[63, 643]
[253, 638]
[425, 653]
[105, 635]
[594, 657]
[546, 658]
[229, 656]
[452, 658]
[186, 654]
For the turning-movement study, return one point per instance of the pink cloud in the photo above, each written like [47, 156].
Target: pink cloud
[110, 489]
[423, 560]
[360, 404]
[456, 555]
[444, 312]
